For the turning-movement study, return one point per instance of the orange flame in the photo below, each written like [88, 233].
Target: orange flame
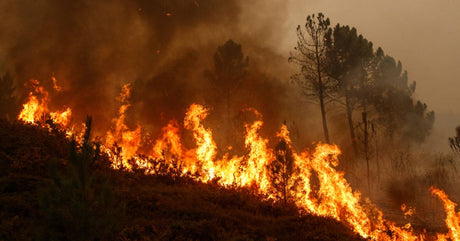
[121, 136]
[55, 84]
[206, 148]
[32, 110]
[333, 196]
[169, 145]
[452, 218]
[407, 211]
[37, 104]
[255, 171]
[36, 108]
[62, 118]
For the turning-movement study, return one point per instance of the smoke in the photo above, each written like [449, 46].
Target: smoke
[93, 47]
[162, 47]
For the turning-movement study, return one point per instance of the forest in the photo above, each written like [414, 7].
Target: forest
[148, 128]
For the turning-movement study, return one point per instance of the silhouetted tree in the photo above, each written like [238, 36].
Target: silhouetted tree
[230, 69]
[78, 205]
[281, 171]
[349, 57]
[455, 141]
[310, 54]
[397, 110]
[7, 98]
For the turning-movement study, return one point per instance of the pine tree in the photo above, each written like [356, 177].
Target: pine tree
[282, 170]
[78, 204]
[310, 55]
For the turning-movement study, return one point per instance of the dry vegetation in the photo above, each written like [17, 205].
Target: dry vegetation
[39, 203]
[405, 176]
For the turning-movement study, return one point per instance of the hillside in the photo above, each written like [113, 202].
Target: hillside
[40, 200]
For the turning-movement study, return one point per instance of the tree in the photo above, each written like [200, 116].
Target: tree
[77, 205]
[7, 98]
[310, 55]
[349, 56]
[376, 85]
[455, 141]
[230, 69]
[281, 171]
[398, 112]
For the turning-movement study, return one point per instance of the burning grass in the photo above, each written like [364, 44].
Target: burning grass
[332, 197]
[148, 207]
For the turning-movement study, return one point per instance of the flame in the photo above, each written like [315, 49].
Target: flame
[169, 145]
[407, 211]
[206, 148]
[258, 158]
[452, 218]
[36, 107]
[121, 136]
[62, 117]
[235, 170]
[31, 111]
[335, 196]
[55, 84]
[332, 197]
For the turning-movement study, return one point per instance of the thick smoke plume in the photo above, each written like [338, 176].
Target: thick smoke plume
[161, 47]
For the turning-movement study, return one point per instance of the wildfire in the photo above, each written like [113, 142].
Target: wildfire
[452, 218]
[37, 104]
[332, 197]
[36, 108]
[121, 136]
[55, 84]
[62, 118]
[407, 211]
[259, 156]
[168, 146]
[206, 148]
[32, 110]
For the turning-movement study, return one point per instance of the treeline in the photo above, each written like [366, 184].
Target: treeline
[341, 68]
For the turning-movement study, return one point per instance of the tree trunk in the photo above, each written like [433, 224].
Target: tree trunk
[323, 115]
[351, 125]
[229, 121]
[366, 150]
[377, 161]
[321, 94]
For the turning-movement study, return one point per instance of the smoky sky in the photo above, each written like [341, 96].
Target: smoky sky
[423, 35]
[163, 47]
[94, 47]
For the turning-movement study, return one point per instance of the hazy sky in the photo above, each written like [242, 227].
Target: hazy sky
[74, 39]
[424, 35]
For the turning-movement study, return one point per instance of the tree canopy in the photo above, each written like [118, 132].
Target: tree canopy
[339, 65]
